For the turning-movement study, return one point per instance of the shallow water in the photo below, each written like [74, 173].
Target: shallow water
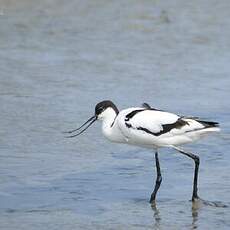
[57, 60]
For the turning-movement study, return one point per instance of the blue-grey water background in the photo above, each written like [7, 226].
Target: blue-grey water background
[58, 59]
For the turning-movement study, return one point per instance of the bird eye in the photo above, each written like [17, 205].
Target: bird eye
[100, 110]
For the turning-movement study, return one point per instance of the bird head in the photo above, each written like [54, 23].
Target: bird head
[103, 109]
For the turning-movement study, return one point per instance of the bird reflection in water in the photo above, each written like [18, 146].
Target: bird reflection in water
[198, 205]
[195, 215]
[156, 215]
[196, 208]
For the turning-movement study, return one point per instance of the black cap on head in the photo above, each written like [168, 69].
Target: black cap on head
[100, 107]
[103, 105]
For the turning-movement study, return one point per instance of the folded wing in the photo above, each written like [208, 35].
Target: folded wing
[137, 122]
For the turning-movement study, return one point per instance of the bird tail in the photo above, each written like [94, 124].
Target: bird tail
[209, 127]
[209, 124]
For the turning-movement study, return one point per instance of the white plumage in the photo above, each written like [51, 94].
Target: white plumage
[147, 128]
[151, 128]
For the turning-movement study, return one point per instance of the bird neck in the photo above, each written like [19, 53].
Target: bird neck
[110, 127]
[109, 118]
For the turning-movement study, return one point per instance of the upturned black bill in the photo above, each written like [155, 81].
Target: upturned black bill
[92, 119]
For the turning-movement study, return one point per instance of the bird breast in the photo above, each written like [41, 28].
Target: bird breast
[112, 132]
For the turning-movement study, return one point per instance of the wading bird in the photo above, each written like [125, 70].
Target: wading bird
[151, 128]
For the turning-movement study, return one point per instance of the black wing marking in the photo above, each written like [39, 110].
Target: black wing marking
[177, 125]
[166, 128]
[132, 114]
[128, 125]
[146, 105]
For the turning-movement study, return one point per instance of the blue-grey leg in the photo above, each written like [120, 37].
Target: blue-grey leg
[158, 179]
[197, 162]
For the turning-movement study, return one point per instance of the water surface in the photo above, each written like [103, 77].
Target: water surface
[57, 60]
